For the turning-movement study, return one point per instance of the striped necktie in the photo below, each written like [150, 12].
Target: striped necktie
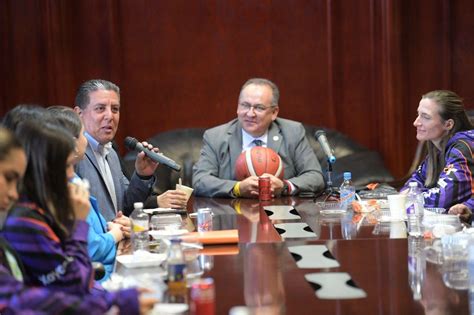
[106, 173]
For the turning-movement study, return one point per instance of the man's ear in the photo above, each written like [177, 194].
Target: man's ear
[78, 110]
[275, 110]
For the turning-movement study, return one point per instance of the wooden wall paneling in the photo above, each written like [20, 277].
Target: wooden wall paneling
[97, 48]
[244, 48]
[462, 49]
[446, 43]
[353, 70]
[58, 75]
[154, 45]
[198, 62]
[425, 45]
[426, 60]
[330, 64]
[23, 53]
[356, 66]
[300, 54]
[5, 46]
[388, 43]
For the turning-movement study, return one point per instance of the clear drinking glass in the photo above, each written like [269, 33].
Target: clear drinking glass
[455, 260]
[161, 223]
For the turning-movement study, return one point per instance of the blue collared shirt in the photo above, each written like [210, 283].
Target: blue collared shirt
[247, 140]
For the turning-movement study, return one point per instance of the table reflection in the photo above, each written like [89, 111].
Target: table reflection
[437, 299]
[246, 215]
[425, 278]
[254, 225]
[264, 292]
[348, 227]
[224, 217]
[416, 265]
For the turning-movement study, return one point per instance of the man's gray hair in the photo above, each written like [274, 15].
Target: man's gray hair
[261, 81]
[82, 96]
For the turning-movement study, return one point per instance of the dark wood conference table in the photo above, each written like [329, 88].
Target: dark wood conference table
[261, 272]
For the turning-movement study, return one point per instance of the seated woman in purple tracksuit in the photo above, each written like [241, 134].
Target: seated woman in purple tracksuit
[445, 175]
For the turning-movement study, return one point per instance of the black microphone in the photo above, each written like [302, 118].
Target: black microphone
[133, 144]
[323, 141]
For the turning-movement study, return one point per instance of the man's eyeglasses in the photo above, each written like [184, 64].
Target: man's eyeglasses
[257, 108]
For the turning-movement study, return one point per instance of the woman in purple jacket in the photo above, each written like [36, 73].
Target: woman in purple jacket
[15, 296]
[445, 175]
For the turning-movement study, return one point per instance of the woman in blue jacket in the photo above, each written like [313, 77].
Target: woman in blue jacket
[102, 237]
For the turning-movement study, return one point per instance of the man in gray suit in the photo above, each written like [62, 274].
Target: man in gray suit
[98, 104]
[256, 124]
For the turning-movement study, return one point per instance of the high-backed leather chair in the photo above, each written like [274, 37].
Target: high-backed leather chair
[184, 145]
[181, 145]
[365, 165]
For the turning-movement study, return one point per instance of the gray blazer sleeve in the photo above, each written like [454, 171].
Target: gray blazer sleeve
[212, 174]
[302, 167]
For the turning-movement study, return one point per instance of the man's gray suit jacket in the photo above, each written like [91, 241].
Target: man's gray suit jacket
[214, 176]
[127, 192]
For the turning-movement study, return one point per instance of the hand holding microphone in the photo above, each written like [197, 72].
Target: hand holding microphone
[133, 144]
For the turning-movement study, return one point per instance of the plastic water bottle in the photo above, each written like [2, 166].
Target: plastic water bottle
[415, 209]
[140, 226]
[347, 191]
[416, 266]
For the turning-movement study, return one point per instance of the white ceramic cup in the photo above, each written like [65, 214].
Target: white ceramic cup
[187, 190]
[397, 205]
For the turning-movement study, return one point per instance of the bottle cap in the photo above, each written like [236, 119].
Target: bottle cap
[138, 205]
[347, 175]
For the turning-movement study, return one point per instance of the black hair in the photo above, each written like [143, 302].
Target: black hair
[21, 113]
[66, 117]
[47, 147]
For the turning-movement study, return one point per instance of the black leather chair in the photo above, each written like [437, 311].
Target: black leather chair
[181, 145]
[365, 165]
[184, 145]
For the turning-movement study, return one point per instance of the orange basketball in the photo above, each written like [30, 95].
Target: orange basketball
[257, 161]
